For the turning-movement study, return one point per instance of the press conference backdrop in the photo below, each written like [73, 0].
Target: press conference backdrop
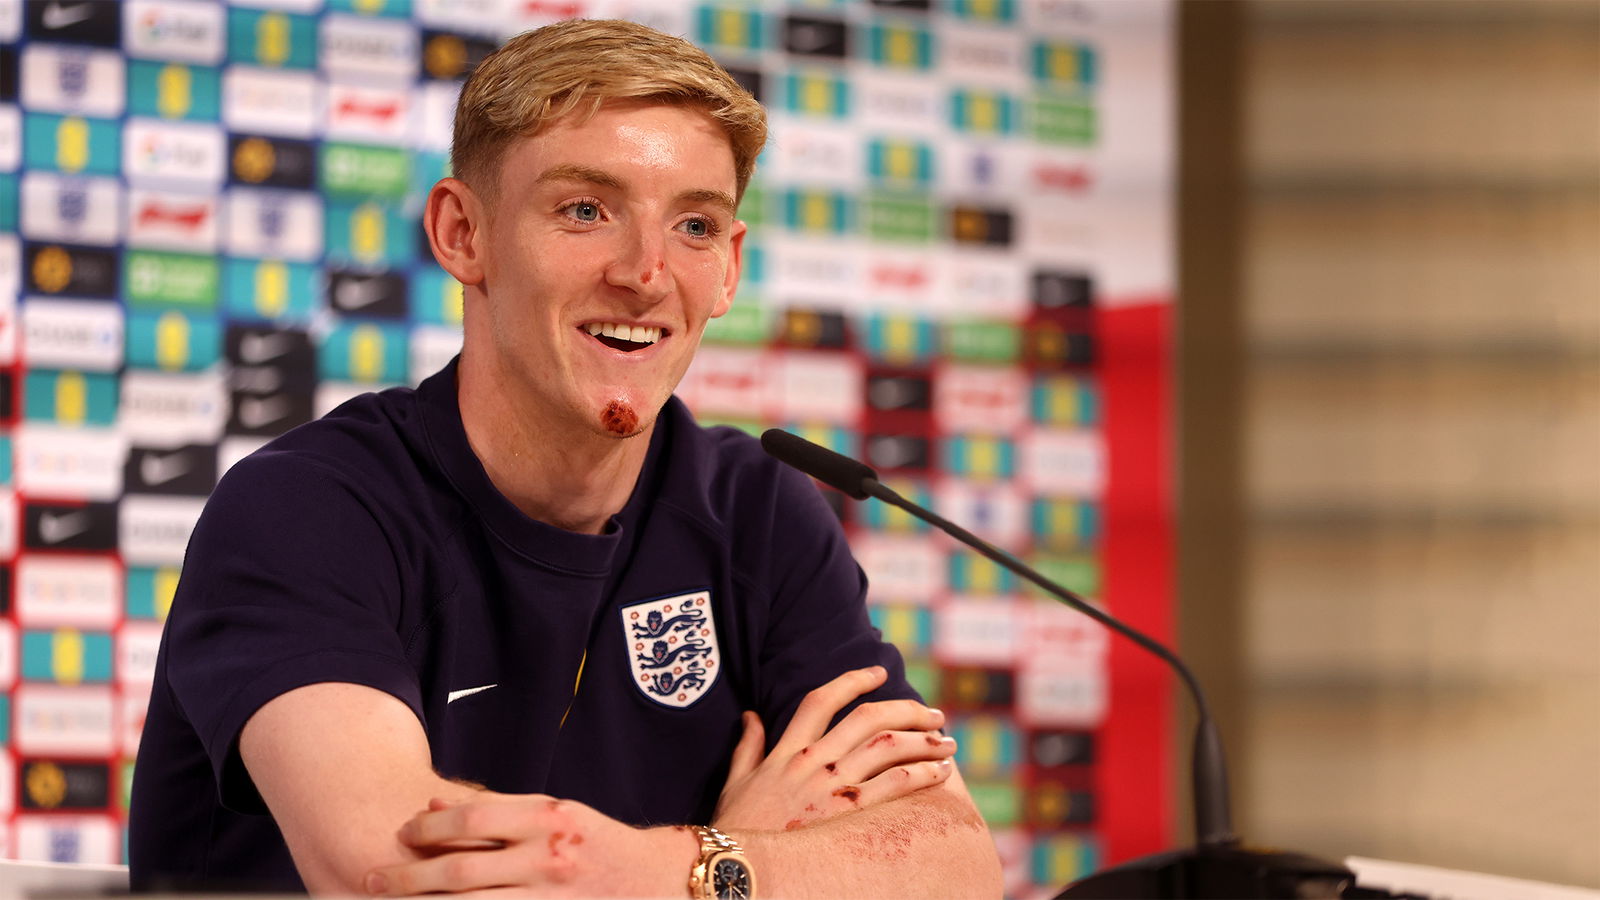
[958, 269]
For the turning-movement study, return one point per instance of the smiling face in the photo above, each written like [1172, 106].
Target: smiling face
[608, 245]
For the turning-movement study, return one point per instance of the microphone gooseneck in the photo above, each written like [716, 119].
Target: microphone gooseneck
[1213, 818]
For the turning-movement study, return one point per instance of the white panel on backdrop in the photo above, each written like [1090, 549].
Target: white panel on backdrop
[1062, 693]
[9, 523]
[137, 644]
[361, 112]
[275, 224]
[10, 137]
[802, 151]
[998, 513]
[170, 220]
[233, 448]
[817, 273]
[60, 78]
[73, 209]
[8, 674]
[70, 721]
[68, 591]
[92, 840]
[364, 48]
[183, 30]
[1064, 462]
[153, 530]
[977, 632]
[981, 399]
[163, 410]
[156, 151]
[10, 30]
[69, 462]
[72, 334]
[896, 103]
[287, 104]
[819, 387]
[905, 569]
[973, 55]
[729, 381]
[1057, 631]
[902, 280]
[431, 349]
[435, 114]
[987, 284]
[484, 17]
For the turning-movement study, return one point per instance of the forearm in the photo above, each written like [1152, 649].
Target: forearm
[930, 844]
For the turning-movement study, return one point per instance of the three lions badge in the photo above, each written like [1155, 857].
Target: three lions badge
[672, 645]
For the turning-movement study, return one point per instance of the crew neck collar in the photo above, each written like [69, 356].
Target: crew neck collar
[548, 545]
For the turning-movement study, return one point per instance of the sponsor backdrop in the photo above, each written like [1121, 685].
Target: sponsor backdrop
[959, 269]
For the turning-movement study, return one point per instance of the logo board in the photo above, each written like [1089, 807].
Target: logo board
[672, 647]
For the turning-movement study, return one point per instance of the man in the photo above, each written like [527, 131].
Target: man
[528, 627]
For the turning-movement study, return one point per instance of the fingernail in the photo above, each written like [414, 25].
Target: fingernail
[938, 713]
[376, 883]
[945, 763]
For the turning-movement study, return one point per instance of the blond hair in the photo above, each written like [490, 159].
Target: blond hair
[575, 66]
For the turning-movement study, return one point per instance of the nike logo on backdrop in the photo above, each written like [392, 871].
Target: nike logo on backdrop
[158, 470]
[60, 15]
[57, 527]
[453, 696]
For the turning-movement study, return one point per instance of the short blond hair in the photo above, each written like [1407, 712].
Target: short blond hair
[575, 66]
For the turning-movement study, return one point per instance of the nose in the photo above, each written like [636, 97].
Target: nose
[641, 264]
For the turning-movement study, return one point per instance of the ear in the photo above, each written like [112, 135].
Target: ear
[454, 222]
[730, 278]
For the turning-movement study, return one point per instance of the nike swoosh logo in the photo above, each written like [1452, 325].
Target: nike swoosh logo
[357, 294]
[453, 696]
[259, 413]
[158, 470]
[57, 15]
[54, 528]
[259, 348]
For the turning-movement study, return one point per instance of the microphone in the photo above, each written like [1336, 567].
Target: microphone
[1220, 866]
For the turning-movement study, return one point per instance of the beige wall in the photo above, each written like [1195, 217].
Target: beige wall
[1409, 639]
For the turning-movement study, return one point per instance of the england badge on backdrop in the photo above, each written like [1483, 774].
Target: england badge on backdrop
[672, 647]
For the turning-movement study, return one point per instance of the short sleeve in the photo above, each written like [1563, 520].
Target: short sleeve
[289, 580]
[818, 627]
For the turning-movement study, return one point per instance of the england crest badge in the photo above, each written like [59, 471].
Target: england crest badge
[672, 644]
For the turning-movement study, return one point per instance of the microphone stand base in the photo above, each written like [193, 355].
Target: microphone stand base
[1226, 872]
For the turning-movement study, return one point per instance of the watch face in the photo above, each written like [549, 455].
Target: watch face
[730, 880]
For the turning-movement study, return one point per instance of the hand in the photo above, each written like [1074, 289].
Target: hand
[535, 844]
[881, 751]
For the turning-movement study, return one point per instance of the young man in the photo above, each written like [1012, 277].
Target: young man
[528, 627]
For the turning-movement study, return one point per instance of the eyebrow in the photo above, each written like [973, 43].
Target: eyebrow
[600, 178]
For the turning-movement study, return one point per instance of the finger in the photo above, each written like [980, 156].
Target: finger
[902, 780]
[748, 753]
[819, 707]
[869, 720]
[479, 820]
[889, 749]
[452, 872]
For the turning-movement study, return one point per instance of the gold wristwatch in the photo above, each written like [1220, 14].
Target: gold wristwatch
[722, 872]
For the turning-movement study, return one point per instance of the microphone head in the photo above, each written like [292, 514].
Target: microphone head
[835, 470]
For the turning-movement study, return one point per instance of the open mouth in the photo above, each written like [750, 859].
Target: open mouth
[626, 338]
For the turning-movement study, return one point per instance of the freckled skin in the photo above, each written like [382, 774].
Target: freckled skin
[555, 839]
[933, 740]
[831, 767]
[851, 793]
[885, 738]
[792, 824]
[811, 807]
[619, 418]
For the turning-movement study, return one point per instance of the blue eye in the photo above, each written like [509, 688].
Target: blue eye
[698, 227]
[585, 212]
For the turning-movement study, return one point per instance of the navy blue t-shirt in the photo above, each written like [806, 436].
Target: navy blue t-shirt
[370, 547]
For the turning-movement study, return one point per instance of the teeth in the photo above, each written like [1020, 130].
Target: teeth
[638, 334]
